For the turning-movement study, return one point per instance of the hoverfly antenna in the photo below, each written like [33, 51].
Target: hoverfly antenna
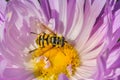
[34, 33]
[66, 42]
[6, 0]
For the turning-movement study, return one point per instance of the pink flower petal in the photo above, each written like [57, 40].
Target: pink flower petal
[62, 77]
[77, 23]
[17, 74]
[89, 20]
[3, 4]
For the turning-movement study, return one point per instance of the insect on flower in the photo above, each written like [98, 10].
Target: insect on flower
[52, 49]
[44, 39]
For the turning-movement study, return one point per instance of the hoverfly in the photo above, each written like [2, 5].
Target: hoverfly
[50, 39]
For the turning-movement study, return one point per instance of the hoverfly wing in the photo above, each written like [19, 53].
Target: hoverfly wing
[47, 28]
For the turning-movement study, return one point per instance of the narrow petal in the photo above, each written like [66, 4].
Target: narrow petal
[62, 16]
[3, 64]
[92, 54]
[3, 4]
[112, 58]
[16, 74]
[46, 8]
[85, 72]
[71, 7]
[116, 6]
[2, 20]
[62, 77]
[77, 23]
[89, 45]
[89, 20]
[51, 11]
[116, 23]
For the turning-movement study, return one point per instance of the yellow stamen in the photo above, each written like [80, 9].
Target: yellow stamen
[49, 64]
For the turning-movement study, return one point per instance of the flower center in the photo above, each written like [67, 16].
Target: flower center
[49, 62]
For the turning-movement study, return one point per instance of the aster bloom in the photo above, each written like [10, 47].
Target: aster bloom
[84, 25]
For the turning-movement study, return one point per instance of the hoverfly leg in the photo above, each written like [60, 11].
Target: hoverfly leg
[32, 50]
[47, 58]
[65, 41]
[62, 51]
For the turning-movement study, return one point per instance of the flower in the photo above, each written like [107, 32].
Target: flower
[85, 26]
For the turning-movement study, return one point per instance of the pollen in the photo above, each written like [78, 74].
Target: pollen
[48, 63]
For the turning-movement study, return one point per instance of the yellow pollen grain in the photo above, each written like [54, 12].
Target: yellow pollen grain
[58, 60]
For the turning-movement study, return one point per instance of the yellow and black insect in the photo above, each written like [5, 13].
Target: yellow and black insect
[49, 39]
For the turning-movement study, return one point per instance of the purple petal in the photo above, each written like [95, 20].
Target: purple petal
[46, 8]
[62, 77]
[50, 9]
[1, 17]
[112, 62]
[17, 28]
[3, 65]
[115, 38]
[116, 21]
[3, 4]
[76, 27]
[16, 74]
[114, 57]
[2, 20]
[101, 68]
[89, 20]
[117, 6]
[70, 13]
